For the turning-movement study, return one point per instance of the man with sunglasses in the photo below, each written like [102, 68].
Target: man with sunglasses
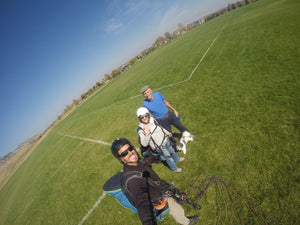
[159, 107]
[149, 191]
[151, 134]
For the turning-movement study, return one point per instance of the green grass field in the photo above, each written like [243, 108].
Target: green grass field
[242, 103]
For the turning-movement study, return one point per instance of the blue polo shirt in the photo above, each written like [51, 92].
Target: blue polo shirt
[157, 106]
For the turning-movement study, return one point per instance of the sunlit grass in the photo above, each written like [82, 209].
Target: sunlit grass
[242, 104]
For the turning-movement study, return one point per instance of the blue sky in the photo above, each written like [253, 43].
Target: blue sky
[52, 51]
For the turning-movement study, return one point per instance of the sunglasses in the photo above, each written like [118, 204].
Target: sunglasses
[142, 117]
[125, 153]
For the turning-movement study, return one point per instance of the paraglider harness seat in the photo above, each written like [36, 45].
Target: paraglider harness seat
[117, 187]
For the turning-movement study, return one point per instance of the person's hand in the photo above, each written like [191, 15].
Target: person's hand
[176, 113]
[170, 135]
[147, 130]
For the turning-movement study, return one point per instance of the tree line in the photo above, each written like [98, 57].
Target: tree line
[158, 42]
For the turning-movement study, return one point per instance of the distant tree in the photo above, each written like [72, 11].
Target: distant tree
[132, 61]
[153, 47]
[90, 91]
[68, 108]
[84, 95]
[76, 101]
[115, 72]
[168, 36]
[160, 40]
[181, 27]
[175, 34]
[106, 76]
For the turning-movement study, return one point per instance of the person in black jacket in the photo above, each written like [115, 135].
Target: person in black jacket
[147, 193]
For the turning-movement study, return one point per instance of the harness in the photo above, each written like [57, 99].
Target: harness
[160, 205]
[117, 187]
[157, 146]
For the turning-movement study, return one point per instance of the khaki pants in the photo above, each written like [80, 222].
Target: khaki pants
[177, 212]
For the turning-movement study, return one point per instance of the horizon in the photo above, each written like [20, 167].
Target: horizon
[53, 52]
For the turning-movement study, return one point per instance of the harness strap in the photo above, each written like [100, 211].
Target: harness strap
[165, 135]
[157, 146]
[162, 204]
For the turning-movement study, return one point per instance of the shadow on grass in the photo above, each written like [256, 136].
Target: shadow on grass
[221, 198]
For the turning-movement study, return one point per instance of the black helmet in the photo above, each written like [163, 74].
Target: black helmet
[117, 145]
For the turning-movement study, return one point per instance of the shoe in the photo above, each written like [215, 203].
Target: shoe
[179, 170]
[193, 219]
[181, 159]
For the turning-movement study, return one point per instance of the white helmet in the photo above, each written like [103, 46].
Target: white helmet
[142, 111]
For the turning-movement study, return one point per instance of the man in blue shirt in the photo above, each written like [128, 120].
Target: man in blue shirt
[159, 107]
